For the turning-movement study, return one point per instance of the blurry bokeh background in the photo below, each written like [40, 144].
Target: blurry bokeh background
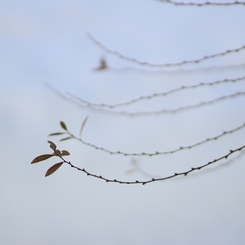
[46, 42]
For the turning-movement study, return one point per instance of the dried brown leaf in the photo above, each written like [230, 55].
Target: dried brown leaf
[52, 145]
[52, 169]
[57, 152]
[65, 153]
[41, 158]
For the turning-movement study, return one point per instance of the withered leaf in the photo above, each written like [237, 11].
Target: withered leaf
[52, 145]
[41, 158]
[57, 152]
[65, 153]
[52, 169]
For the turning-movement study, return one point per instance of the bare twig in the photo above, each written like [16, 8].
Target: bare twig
[71, 136]
[201, 4]
[143, 182]
[153, 112]
[144, 63]
[147, 97]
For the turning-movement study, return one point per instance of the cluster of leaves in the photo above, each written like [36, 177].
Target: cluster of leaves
[56, 153]
[67, 132]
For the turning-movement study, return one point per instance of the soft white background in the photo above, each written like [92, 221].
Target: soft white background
[46, 42]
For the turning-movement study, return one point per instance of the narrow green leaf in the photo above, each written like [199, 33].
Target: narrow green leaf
[83, 124]
[52, 145]
[63, 125]
[66, 138]
[52, 169]
[54, 134]
[41, 158]
[65, 153]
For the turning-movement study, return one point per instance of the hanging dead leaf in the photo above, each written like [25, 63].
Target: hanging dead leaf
[52, 169]
[41, 158]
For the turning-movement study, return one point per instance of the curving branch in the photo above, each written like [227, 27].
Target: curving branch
[69, 135]
[144, 63]
[147, 97]
[161, 71]
[143, 182]
[201, 4]
[162, 111]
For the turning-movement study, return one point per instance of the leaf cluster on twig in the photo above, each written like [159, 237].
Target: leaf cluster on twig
[56, 153]
[69, 135]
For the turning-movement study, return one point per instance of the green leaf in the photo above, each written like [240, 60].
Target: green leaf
[41, 158]
[83, 124]
[52, 169]
[54, 134]
[52, 145]
[66, 138]
[63, 125]
[65, 153]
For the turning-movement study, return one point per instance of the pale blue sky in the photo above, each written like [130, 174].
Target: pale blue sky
[46, 42]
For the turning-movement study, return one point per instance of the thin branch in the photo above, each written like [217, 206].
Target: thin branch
[147, 97]
[201, 4]
[157, 152]
[162, 111]
[225, 164]
[185, 173]
[142, 113]
[159, 71]
[144, 63]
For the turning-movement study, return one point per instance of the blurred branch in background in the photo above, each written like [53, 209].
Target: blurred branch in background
[176, 3]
